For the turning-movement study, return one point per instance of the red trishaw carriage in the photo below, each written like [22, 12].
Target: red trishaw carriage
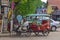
[36, 28]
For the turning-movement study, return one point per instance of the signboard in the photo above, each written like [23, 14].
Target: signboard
[19, 18]
[5, 2]
[9, 14]
[5, 11]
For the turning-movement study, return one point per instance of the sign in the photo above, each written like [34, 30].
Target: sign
[19, 18]
[5, 11]
[9, 14]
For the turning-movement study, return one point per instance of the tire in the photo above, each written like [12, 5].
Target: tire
[53, 28]
[28, 34]
[36, 33]
[45, 32]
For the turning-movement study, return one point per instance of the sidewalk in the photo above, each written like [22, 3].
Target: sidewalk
[6, 34]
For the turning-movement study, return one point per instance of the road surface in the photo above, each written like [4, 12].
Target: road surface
[51, 36]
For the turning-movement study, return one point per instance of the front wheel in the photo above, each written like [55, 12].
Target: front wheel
[28, 34]
[36, 33]
[45, 32]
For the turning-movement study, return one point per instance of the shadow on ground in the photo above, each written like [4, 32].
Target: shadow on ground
[22, 36]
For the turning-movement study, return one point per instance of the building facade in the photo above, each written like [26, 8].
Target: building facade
[56, 7]
[54, 3]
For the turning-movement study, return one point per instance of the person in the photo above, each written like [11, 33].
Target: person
[22, 23]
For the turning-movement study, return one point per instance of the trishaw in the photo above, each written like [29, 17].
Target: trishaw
[35, 23]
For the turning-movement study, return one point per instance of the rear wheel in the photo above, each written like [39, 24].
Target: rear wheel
[45, 32]
[53, 28]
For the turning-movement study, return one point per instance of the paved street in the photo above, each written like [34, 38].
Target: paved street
[52, 36]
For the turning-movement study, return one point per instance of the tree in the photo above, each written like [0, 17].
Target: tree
[23, 7]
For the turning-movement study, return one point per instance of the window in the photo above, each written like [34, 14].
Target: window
[54, 7]
[51, 21]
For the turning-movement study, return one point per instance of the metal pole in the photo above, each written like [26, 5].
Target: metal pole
[11, 22]
[12, 7]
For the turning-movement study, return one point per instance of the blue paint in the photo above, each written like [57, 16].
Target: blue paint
[19, 18]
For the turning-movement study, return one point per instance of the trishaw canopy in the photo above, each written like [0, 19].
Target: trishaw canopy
[38, 15]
